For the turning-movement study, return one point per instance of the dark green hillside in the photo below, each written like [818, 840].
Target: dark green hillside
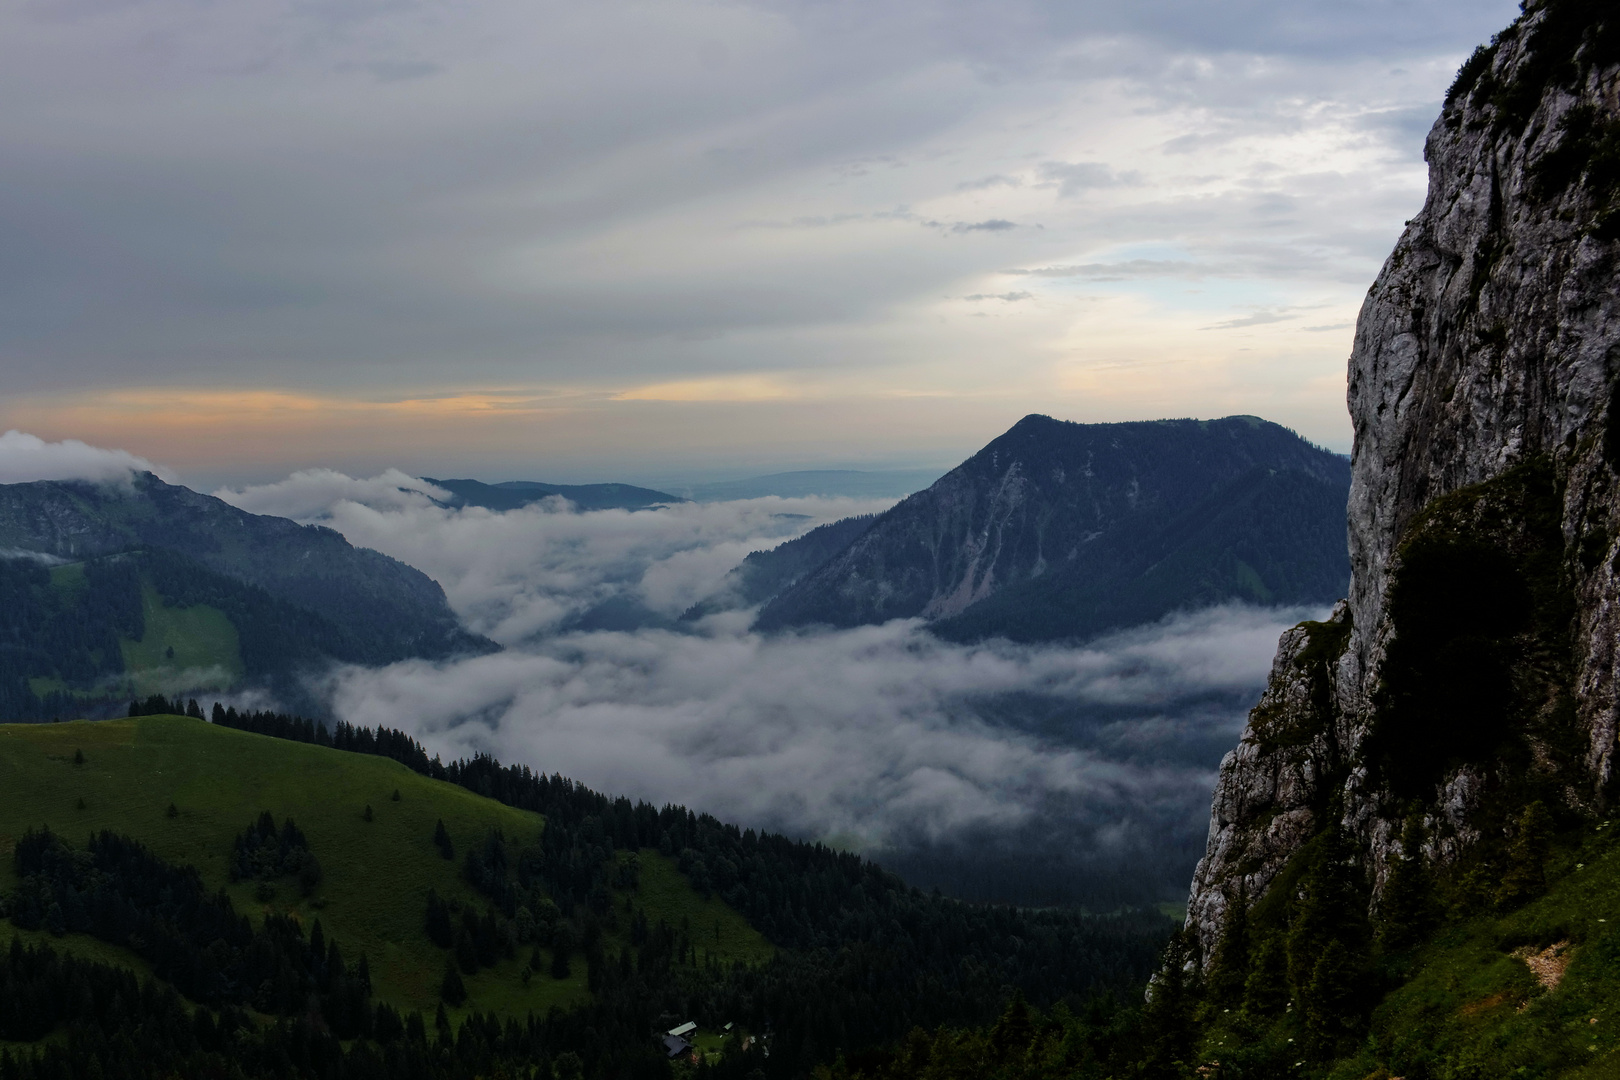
[375, 873]
[625, 917]
[387, 610]
[146, 621]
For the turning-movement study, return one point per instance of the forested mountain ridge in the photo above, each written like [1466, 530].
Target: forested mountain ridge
[351, 603]
[423, 919]
[515, 494]
[1062, 530]
[765, 574]
[108, 628]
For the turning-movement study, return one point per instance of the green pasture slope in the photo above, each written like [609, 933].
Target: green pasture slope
[376, 873]
[193, 646]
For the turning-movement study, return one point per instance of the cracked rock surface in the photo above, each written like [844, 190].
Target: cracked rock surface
[1490, 339]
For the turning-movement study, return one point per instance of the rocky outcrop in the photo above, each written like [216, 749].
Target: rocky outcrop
[1483, 508]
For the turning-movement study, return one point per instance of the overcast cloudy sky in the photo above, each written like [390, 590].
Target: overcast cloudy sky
[625, 239]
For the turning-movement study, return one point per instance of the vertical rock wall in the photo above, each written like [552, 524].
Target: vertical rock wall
[1490, 341]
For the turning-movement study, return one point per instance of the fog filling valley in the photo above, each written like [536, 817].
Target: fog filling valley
[1032, 774]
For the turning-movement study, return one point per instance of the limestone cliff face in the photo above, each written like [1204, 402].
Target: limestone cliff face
[1482, 384]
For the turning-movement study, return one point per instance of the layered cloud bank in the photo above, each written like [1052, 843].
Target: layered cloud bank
[1013, 772]
[525, 572]
[499, 232]
[879, 735]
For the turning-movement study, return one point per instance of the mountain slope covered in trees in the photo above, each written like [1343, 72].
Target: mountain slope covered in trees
[514, 494]
[112, 589]
[347, 901]
[764, 574]
[1058, 530]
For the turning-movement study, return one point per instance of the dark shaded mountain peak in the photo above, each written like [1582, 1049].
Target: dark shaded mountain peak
[515, 494]
[1063, 530]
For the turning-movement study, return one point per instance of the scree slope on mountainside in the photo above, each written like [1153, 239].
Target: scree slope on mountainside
[1058, 530]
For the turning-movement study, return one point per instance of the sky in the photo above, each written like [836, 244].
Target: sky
[646, 241]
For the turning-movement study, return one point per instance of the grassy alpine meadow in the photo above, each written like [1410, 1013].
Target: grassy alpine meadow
[194, 646]
[716, 929]
[125, 775]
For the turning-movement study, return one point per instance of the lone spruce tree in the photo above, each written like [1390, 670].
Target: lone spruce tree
[1526, 876]
[1169, 1026]
[1229, 967]
[452, 989]
[1265, 991]
[1333, 1001]
[1328, 947]
[1408, 910]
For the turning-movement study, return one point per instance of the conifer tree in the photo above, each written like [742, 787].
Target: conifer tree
[1167, 1021]
[452, 990]
[1332, 1001]
[1229, 967]
[1265, 991]
[466, 950]
[1011, 1036]
[440, 931]
[1526, 876]
[1330, 908]
[1329, 928]
[562, 943]
[1408, 911]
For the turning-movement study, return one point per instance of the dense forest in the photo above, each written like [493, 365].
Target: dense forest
[75, 558]
[63, 628]
[118, 891]
[862, 958]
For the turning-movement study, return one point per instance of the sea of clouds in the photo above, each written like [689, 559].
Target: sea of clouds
[1033, 773]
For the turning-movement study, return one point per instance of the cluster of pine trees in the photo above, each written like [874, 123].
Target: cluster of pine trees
[865, 957]
[119, 1027]
[118, 891]
[264, 853]
[67, 635]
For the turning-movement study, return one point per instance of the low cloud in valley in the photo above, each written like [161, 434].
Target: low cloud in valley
[1087, 770]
